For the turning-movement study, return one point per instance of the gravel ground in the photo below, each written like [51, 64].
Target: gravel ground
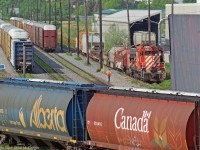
[65, 72]
[39, 73]
[117, 78]
[9, 70]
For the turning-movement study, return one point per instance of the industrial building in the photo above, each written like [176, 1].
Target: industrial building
[187, 8]
[138, 21]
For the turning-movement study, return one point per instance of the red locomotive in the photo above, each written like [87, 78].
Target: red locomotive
[43, 35]
[147, 63]
[142, 62]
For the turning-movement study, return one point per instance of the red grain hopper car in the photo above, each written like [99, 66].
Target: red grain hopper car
[120, 119]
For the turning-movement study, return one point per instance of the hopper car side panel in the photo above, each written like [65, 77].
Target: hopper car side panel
[121, 122]
[36, 110]
[45, 110]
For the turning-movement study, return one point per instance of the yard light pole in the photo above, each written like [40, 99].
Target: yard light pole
[86, 28]
[2, 11]
[31, 11]
[45, 11]
[37, 11]
[129, 32]
[40, 10]
[28, 10]
[69, 15]
[61, 36]
[100, 32]
[55, 13]
[149, 22]
[77, 32]
[19, 9]
[49, 11]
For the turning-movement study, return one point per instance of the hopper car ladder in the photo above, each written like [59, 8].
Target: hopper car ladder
[80, 102]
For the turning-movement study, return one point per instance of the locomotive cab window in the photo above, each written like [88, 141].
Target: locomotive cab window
[150, 53]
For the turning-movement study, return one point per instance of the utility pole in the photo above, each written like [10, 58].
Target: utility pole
[37, 11]
[61, 38]
[100, 30]
[86, 28]
[69, 15]
[24, 60]
[31, 12]
[28, 10]
[2, 11]
[149, 22]
[55, 13]
[45, 11]
[19, 9]
[49, 11]
[172, 7]
[77, 32]
[129, 28]
[40, 10]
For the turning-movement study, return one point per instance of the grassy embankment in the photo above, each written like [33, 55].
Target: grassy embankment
[2, 74]
[164, 85]
[72, 31]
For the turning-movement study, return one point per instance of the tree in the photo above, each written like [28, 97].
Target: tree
[113, 4]
[115, 37]
[189, 1]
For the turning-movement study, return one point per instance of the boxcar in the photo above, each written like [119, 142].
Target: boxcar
[43, 35]
[12, 42]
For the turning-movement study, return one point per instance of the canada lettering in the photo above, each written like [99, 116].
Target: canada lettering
[132, 123]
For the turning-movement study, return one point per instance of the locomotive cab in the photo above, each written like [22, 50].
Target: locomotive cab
[147, 63]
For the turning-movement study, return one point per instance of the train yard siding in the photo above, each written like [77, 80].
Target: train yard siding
[9, 70]
[117, 78]
[59, 68]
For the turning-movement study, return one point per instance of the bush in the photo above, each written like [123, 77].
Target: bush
[69, 53]
[78, 58]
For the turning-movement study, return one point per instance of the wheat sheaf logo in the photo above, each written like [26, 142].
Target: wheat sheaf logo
[21, 117]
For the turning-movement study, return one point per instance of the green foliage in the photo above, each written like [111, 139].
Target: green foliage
[156, 4]
[78, 58]
[115, 37]
[69, 53]
[98, 70]
[189, 1]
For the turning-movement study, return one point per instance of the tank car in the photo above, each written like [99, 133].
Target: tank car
[12, 43]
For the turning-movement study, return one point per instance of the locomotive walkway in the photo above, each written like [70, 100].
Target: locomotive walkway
[117, 78]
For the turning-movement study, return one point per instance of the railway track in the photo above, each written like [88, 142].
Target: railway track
[50, 71]
[90, 77]
[65, 68]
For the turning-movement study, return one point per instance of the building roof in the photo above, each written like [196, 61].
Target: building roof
[135, 15]
[108, 11]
